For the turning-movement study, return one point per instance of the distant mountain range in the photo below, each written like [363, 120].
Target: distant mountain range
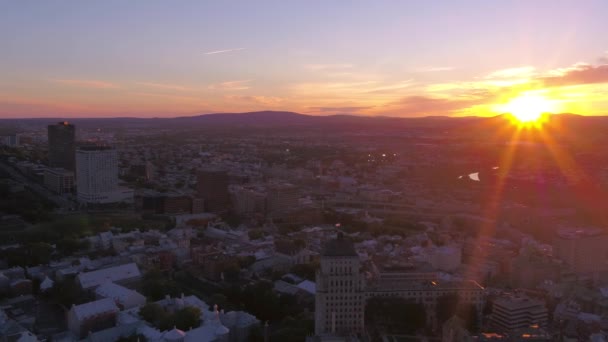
[272, 119]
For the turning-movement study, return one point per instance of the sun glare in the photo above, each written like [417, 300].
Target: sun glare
[529, 108]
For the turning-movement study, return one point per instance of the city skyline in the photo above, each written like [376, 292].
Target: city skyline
[160, 59]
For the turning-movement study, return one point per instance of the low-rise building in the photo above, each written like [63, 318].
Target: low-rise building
[517, 311]
[60, 181]
[92, 316]
[123, 297]
[122, 274]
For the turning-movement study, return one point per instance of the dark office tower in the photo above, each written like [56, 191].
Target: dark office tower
[62, 146]
[213, 189]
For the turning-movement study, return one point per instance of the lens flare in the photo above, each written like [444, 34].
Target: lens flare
[529, 108]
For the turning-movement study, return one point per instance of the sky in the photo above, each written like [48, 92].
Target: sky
[150, 58]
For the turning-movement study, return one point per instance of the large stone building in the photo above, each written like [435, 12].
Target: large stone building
[340, 297]
[343, 290]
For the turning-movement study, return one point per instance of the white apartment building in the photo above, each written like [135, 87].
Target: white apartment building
[97, 176]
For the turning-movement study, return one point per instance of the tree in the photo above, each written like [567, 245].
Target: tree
[230, 269]
[246, 261]
[133, 338]
[188, 317]
[450, 305]
[183, 319]
[255, 234]
[155, 285]
[68, 293]
[219, 300]
[153, 313]
[447, 306]
[307, 271]
[69, 245]
[39, 253]
[397, 314]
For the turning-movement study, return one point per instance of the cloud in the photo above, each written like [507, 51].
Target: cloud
[578, 74]
[425, 105]
[261, 100]
[164, 86]
[171, 97]
[320, 67]
[339, 109]
[434, 69]
[391, 87]
[222, 51]
[518, 72]
[95, 84]
[231, 85]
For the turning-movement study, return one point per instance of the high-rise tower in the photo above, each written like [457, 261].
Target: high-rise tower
[62, 145]
[212, 187]
[340, 296]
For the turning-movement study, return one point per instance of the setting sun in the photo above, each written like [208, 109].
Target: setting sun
[528, 108]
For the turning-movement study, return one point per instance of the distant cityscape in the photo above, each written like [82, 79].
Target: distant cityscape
[219, 229]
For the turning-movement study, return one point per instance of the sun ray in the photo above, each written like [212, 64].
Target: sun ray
[590, 196]
[492, 206]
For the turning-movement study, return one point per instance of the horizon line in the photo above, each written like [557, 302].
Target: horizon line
[279, 111]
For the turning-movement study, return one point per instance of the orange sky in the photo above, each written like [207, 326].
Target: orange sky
[392, 58]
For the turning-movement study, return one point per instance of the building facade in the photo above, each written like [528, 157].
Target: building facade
[62, 145]
[212, 187]
[58, 180]
[583, 249]
[342, 290]
[340, 296]
[517, 312]
[97, 176]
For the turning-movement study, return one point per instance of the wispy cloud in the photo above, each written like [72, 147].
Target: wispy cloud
[518, 72]
[320, 67]
[165, 86]
[171, 97]
[261, 100]
[434, 69]
[391, 87]
[96, 84]
[223, 51]
[231, 85]
[577, 75]
[352, 109]
[423, 105]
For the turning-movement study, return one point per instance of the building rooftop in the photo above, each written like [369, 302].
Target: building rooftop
[340, 246]
[576, 233]
[86, 310]
[94, 148]
[116, 292]
[517, 302]
[117, 273]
